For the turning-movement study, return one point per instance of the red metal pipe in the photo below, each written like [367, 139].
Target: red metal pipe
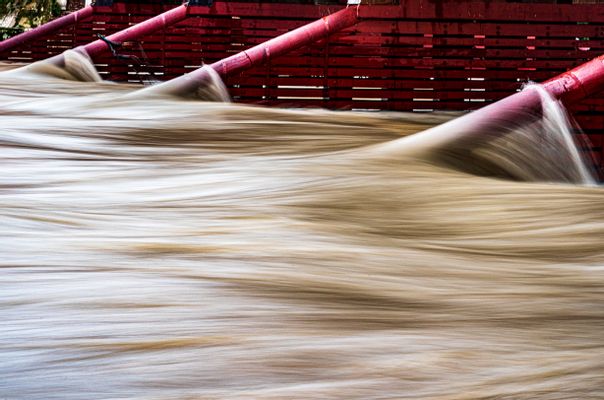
[261, 53]
[569, 87]
[146, 27]
[522, 107]
[46, 29]
[578, 83]
[285, 43]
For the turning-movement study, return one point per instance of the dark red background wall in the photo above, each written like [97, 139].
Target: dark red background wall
[416, 56]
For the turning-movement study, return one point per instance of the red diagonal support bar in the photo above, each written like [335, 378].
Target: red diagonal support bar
[46, 29]
[261, 53]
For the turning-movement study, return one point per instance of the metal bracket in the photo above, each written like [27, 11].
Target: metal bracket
[205, 3]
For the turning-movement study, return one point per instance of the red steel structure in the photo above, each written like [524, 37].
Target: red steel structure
[263, 52]
[413, 56]
[572, 86]
[98, 47]
[141, 29]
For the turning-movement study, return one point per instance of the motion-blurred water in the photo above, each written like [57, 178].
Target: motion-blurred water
[175, 249]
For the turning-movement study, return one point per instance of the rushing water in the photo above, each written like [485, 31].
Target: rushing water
[176, 249]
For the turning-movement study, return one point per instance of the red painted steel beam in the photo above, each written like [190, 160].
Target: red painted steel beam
[46, 29]
[569, 87]
[261, 53]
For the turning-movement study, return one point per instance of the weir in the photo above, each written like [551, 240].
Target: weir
[366, 70]
[155, 247]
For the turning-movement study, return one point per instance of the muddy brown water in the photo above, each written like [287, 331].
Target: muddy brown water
[174, 249]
